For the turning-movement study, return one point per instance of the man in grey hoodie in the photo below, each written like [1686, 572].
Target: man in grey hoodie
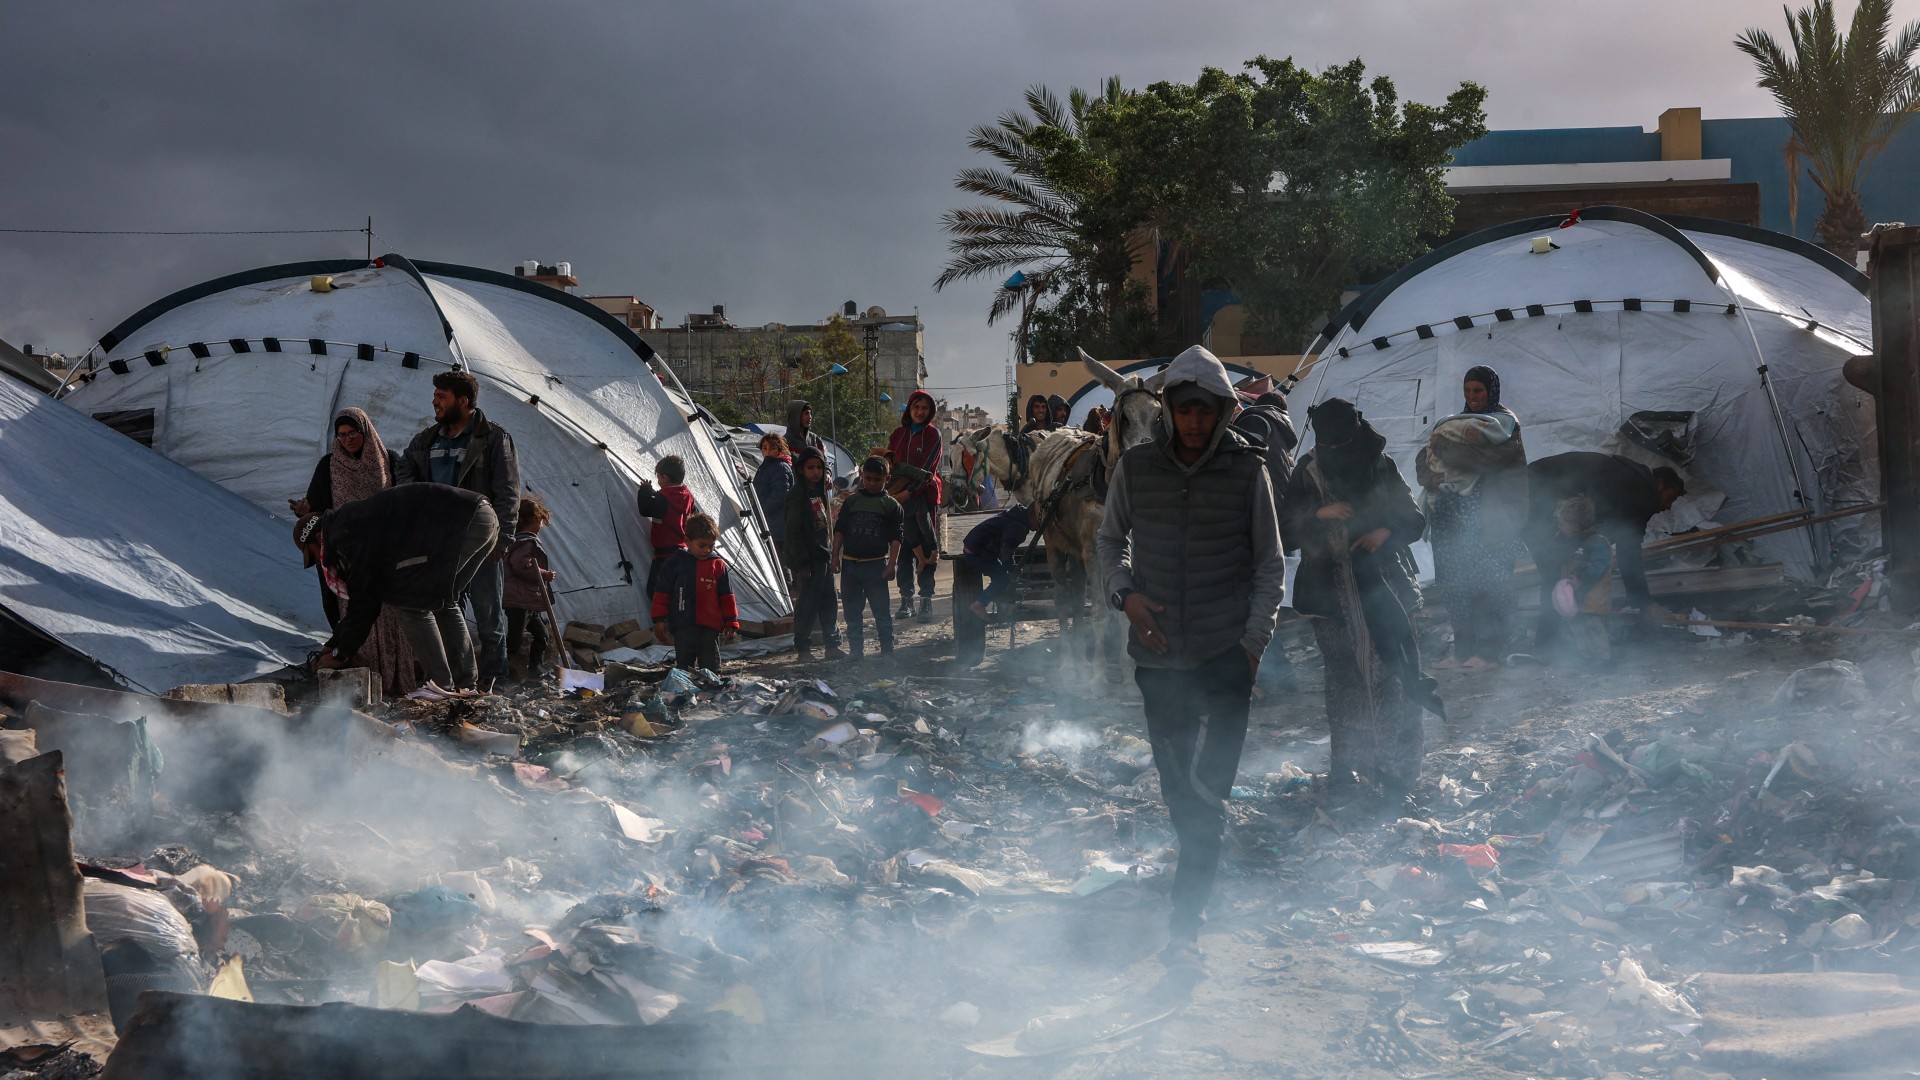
[800, 433]
[1190, 551]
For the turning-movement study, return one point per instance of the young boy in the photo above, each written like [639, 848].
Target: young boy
[989, 548]
[1589, 571]
[807, 550]
[669, 507]
[693, 609]
[866, 548]
[528, 590]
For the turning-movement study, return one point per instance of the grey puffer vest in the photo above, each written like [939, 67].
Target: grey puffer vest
[1191, 547]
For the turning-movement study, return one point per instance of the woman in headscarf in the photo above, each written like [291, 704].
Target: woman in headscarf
[361, 465]
[1474, 471]
[1351, 516]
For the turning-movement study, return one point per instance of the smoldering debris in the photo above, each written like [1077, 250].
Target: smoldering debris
[687, 851]
[971, 867]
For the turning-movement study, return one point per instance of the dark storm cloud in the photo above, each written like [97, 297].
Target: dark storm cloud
[777, 159]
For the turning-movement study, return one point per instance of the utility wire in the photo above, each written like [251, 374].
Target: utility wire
[181, 232]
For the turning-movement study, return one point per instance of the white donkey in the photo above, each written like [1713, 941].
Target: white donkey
[1063, 475]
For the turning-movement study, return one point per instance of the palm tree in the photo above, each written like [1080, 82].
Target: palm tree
[1844, 97]
[1037, 232]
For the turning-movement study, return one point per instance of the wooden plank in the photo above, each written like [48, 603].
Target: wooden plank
[1686, 581]
[1771, 529]
[49, 965]
[1685, 539]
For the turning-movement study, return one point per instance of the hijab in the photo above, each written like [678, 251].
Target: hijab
[355, 478]
[1348, 467]
[1488, 378]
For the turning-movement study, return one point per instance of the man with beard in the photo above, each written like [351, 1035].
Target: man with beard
[464, 449]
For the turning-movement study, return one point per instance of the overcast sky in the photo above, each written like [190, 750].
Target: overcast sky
[776, 159]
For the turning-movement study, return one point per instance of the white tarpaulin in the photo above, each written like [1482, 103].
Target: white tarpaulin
[253, 368]
[1628, 313]
[156, 574]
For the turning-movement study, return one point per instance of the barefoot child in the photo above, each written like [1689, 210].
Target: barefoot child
[693, 608]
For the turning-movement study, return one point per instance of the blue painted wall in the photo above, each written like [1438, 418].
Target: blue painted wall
[1891, 188]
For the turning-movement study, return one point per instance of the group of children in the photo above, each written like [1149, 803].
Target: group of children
[866, 536]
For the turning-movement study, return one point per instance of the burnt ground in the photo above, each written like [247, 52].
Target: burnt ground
[978, 863]
[1530, 945]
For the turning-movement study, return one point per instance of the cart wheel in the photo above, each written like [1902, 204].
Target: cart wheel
[969, 633]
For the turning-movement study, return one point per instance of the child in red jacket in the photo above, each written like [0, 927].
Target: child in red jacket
[693, 606]
[916, 442]
[668, 506]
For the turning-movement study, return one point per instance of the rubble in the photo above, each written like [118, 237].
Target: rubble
[676, 850]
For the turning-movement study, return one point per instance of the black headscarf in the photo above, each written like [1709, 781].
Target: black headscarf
[1488, 378]
[1347, 467]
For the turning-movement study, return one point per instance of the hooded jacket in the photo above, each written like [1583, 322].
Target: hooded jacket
[771, 482]
[401, 547]
[808, 438]
[809, 517]
[919, 449]
[1201, 539]
[491, 466]
[1029, 423]
[1267, 422]
[1054, 402]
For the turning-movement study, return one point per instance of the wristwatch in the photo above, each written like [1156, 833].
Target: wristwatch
[1119, 599]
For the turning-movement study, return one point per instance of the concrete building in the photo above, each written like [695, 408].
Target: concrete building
[711, 355]
[1731, 169]
[636, 313]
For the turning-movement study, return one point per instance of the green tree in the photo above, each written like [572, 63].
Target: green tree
[1844, 97]
[1283, 185]
[1277, 183]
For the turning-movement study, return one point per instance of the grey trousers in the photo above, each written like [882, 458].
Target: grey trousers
[438, 634]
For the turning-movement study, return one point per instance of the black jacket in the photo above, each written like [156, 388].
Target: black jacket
[491, 468]
[401, 547]
[808, 534]
[1387, 504]
[320, 488]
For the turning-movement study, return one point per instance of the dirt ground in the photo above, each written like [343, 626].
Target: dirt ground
[1285, 993]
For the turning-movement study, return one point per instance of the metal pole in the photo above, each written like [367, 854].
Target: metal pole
[369, 237]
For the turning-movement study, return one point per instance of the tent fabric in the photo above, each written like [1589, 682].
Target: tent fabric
[1631, 314]
[153, 572]
[589, 417]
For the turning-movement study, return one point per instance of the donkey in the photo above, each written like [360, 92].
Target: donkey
[1063, 474]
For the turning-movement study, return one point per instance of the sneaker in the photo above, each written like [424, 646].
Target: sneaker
[803, 655]
[1183, 954]
[835, 652]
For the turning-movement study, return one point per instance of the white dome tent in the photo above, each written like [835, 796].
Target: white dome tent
[241, 376]
[1612, 312]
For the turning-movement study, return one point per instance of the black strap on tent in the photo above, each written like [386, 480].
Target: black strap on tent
[626, 567]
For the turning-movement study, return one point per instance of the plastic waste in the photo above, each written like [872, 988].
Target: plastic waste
[432, 911]
[1831, 684]
[142, 917]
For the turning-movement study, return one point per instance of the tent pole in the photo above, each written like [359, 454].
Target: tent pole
[1779, 418]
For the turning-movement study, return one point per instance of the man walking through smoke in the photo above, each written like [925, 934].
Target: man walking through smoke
[1190, 549]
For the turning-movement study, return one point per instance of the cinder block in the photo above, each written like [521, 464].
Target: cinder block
[587, 634]
[355, 688]
[265, 695]
[622, 629]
